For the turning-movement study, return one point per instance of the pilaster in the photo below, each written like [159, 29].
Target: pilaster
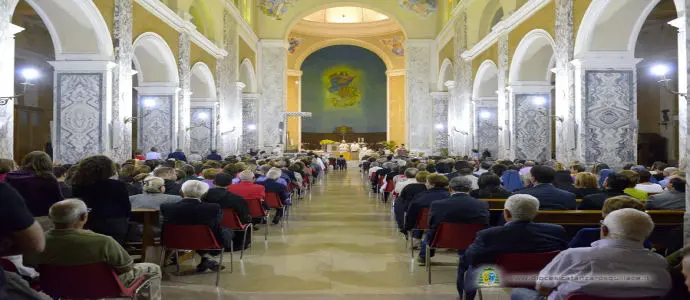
[122, 81]
[417, 83]
[440, 113]
[250, 118]
[272, 80]
[227, 75]
[7, 32]
[183, 100]
[566, 145]
[505, 147]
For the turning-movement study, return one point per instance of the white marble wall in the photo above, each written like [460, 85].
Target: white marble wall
[183, 98]
[250, 118]
[532, 127]
[272, 80]
[202, 129]
[230, 103]
[486, 124]
[440, 112]
[504, 109]
[417, 83]
[122, 81]
[156, 127]
[7, 32]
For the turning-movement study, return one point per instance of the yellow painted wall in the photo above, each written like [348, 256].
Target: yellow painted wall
[293, 105]
[446, 52]
[396, 110]
[146, 22]
[491, 53]
[445, 10]
[246, 52]
[107, 9]
[579, 9]
[545, 19]
[199, 55]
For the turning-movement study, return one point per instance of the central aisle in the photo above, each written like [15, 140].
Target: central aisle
[338, 245]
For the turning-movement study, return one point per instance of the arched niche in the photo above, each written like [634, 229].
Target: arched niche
[344, 41]
[486, 81]
[202, 84]
[77, 28]
[154, 61]
[444, 75]
[248, 76]
[533, 58]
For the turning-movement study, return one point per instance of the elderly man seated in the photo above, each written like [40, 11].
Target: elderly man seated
[192, 211]
[519, 235]
[271, 185]
[672, 198]
[633, 270]
[247, 188]
[70, 245]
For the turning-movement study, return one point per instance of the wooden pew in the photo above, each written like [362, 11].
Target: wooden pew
[147, 217]
[593, 217]
[497, 204]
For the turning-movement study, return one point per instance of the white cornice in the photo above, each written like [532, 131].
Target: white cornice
[371, 29]
[82, 65]
[245, 30]
[446, 34]
[250, 96]
[505, 26]
[395, 72]
[177, 23]
[268, 43]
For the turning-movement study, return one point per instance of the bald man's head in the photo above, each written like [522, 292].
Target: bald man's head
[70, 213]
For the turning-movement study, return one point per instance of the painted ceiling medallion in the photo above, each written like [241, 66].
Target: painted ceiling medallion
[275, 8]
[294, 44]
[423, 8]
[395, 45]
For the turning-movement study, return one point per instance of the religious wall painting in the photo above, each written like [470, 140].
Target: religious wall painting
[293, 44]
[423, 8]
[395, 45]
[275, 8]
[341, 84]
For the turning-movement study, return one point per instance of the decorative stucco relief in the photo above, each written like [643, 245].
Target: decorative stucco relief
[155, 128]
[6, 75]
[122, 81]
[79, 126]
[532, 127]
[610, 118]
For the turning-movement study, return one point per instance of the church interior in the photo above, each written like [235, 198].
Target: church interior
[560, 83]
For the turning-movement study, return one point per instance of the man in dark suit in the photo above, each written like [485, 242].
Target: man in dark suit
[519, 235]
[614, 186]
[437, 189]
[169, 177]
[227, 200]
[550, 197]
[460, 165]
[459, 208]
[271, 185]
[192, 211]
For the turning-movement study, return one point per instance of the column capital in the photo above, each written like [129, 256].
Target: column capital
[82, 65]
[201, 102]
[157, 90]
[240, 85]
[250, 96]
[279, 43]
[530, 87]
[606, 61]
[440, 95]
[450, 84]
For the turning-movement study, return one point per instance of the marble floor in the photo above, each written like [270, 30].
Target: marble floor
[338, 244]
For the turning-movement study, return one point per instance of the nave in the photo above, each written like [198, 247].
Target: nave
[338, 244]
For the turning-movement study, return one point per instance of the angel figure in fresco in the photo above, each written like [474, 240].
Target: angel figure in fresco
[293, 44]
[340, 81]
[395, 44]
[423, 8]
[275, 8]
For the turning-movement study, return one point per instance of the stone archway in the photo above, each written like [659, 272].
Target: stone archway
[485, 99]
[204, 110]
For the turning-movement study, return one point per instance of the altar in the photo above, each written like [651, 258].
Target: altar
[350, 151]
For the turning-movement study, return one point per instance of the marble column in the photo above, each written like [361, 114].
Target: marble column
[606, 109]
[202, 129]
[684, 114]
[566, 145]
[272, 80]
[7, 32]
[460, 107]
[440, 113]
[183, 98]
[82, 95]
[237, 115]
[227, 75]
[250, 118]
[157, 118]
[486, 125]
[417, 82]
[122, 81]
[530, 122]
[505, 147]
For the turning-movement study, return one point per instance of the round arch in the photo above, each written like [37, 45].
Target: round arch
[344, 41]
[486, 81]
[360, 3]
[77, 28]
[612, 26]
[202, 84]
[444, 75]
[492, 9]
[248, 76]
[533, 58]
[154, 61]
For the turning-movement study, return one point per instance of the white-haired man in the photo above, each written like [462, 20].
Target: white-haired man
[70, 245]
[271, 185]
[192, 211]
[624, 267]
[519, 235]
[247, 188]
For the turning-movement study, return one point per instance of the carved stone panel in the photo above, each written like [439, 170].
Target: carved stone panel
[201, 130]
[273, 76]
[440, 111]
[80, 105]
[250, 138]
[419, 112]
[155, 126]
[532, 126]
[610, 122]
[487, 129]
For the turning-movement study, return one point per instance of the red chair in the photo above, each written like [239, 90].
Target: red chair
[191, 237]
[578, 296]
[451, 236]
[421, 225]
[273, 201]
[257, 210]
[90, 281]
[232, 221]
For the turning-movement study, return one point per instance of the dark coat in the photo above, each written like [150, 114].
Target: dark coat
[195, 212]
[514, 237]
[172, 187]
[228, 200]
[551, 198]
[423, 200]
[177, 156]
[459, 208]
[596, 201]
[38, 192]
[110, 207]
[272, 186]
[584, 192]
[215, 157]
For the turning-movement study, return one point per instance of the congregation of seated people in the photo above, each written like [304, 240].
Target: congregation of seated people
[459, 190]
[80, 214]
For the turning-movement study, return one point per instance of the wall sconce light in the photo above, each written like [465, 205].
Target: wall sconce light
[202, 116]
[539, 101]
[231, 130]
[439, 126]
[485, 115]
[455, 129]
[251, 127]
[661, 71]
[29, 74]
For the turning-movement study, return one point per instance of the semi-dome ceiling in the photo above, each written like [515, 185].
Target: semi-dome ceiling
[346, 15]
